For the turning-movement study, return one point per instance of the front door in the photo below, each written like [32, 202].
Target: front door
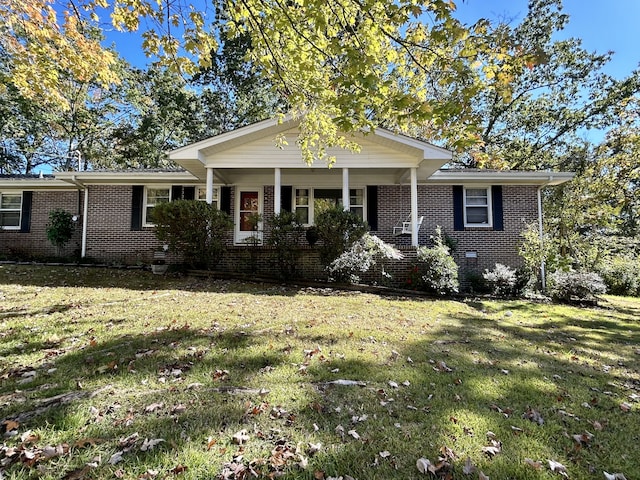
[248, 217]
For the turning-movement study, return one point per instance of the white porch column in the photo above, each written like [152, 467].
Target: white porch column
[346, 198]
[277, 183]
[209, 187]
[414, 207]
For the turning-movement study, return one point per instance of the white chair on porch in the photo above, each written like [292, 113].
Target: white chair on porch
[404, 227]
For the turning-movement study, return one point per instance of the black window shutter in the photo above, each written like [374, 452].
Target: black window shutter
[458, 206]
[286, 193]
[225, 199]
[25, 217]
[189, 193]
[137, 197]
[372, 207]
[176, 192]
[496, 206]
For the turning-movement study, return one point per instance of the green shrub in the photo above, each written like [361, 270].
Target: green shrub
[338, 230]
[621, 274]
[194, 229]
[502, 280]
[286, 231]
[363, 256]
[60, 228]
[437, 268]
[576, 286]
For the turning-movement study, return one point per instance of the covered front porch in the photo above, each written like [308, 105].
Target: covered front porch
[247, 161]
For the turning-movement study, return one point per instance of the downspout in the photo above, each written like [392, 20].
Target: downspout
[543, 273]
[543, 278]
[85, 216]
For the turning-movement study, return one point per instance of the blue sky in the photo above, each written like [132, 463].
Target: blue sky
[603, 25]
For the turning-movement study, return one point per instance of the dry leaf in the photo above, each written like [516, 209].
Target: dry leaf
[385, 454]
[149, 444]
[614, 476]
[533, 464]
[116, 458]
[424, 466]
[482, 476]
[625, 407]
[179, 469]
[558, 468]
[354, 434]
[469, 467]
[241, 437]
[153, 407]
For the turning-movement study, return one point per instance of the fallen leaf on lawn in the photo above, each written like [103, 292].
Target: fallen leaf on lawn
[83, 443]
[153, 407]
[354, 434]
[318, 475]
[469, 467]
[493, 449]
[50, 451]
[148, 444]
[583, 438]
[424, 466]
[313, 448]
[442, 367]
[29, 437]
[340, 430]
[241, 437]
[385, 454]
[482, 476]
[614, 476]
[625, 407]
[533, 464]
[179, 469]
[9, 425]
[533, 416]
[393, 384]
[558, 468]
[77, 474]
[116, 458]
[149, 474]
[178, 409]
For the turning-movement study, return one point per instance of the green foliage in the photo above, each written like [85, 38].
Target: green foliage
[621, 274]
[502, 280]
[364, 255]
[60, 228]
[437, 268]
[193, 228]
[338, 230]
[284, 236]
[575, 286]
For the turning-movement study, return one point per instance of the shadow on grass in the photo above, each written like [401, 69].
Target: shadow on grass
[437, 389]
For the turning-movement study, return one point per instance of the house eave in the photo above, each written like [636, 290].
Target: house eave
[450, 177]
[34, 184]
[127, 178]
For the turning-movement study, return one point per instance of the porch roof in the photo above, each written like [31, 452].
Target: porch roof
[254, 147]
[499, 177]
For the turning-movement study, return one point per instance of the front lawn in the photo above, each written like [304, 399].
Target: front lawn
[122, 374]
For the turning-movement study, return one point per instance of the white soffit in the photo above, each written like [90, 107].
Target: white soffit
[509, 177]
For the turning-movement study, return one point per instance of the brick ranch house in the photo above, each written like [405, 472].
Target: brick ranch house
[397, 184]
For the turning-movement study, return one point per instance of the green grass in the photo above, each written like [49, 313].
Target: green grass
[129, 353]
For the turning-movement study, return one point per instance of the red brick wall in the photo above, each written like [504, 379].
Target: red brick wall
[34, 244]
[435, 203]
[109, 234]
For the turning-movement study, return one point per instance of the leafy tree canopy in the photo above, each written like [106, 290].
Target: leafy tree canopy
[347, 65]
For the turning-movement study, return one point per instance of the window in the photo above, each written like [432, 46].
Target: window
[201, 194]
[311, 202]
[477, 207]
[10, 208]
[154, 196]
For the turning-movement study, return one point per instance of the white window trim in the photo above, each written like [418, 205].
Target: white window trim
[145, 203]
[312, 216]
[216, 196]
[19, 210]
[489, 223]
